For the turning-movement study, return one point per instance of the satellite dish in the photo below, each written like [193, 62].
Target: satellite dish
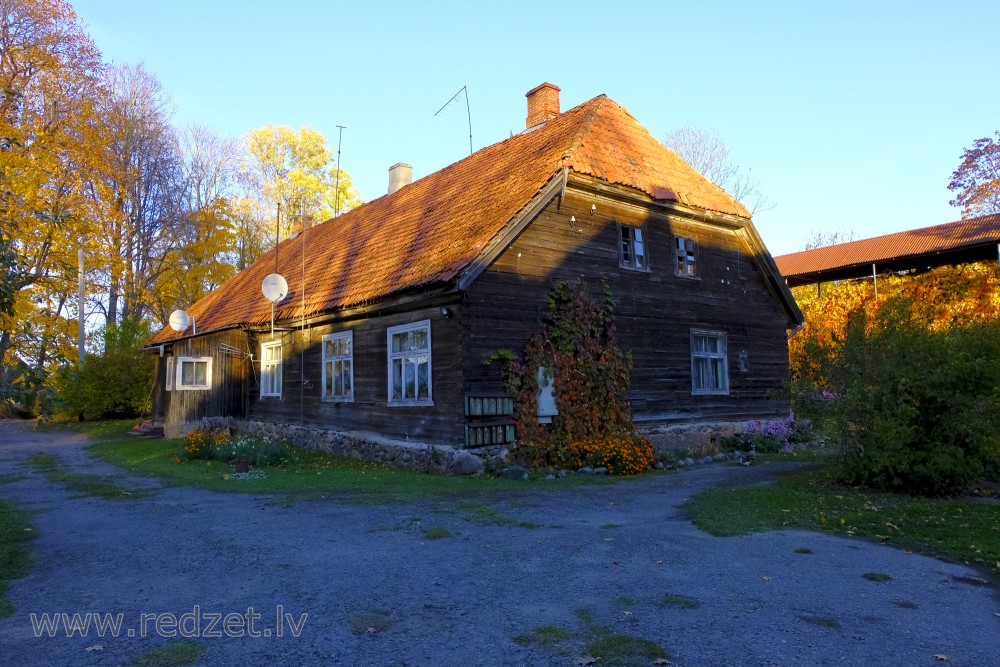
[274, 287]
[179, 320]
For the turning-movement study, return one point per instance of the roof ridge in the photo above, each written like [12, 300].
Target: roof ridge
[588, 119]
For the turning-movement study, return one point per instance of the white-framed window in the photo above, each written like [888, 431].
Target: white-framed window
[270, 369]
[194, 373]
[686, 257]
[409, 352]
[632, 245]
[709, 367]
[338, 366]
[170, 374]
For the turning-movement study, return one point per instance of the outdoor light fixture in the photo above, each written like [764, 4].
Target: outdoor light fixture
[593, 209]
[445, 311]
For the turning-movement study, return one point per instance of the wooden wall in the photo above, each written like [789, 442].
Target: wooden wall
[301, 402]
[655, 310]
[227, 395]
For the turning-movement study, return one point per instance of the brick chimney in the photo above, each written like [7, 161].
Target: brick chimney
[543, 104]
[400, 174]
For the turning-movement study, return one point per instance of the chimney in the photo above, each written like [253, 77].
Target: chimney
[301, 223]
[400, 174]
[543, 104]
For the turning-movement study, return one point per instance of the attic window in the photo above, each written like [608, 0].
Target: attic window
[632, 245]
[686, 258]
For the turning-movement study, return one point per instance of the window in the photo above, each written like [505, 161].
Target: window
[687, 258]
[338, 367]
[410, 364]
[270, 369]
[709, 371]
[170, 374]
[633, 248]
[194, 373]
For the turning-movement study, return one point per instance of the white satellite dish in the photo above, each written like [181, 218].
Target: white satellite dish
[179, 320]
[274, 287]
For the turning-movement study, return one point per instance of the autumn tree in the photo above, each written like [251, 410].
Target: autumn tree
[49, 76]
[293, 171]
[709, 155]
[977, 179]
[135, 193]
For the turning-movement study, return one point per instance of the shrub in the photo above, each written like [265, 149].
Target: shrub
[918, 410]
[778, 435]
[621, 454]
[115, 384]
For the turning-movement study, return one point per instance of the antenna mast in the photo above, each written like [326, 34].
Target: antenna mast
[340, 139]
[468, 112]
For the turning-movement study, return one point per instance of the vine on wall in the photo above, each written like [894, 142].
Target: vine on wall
[591, 376]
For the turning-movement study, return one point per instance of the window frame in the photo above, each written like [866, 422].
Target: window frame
[681, 265]
[179, 371]
[721, 357]
[644, 242]
[169, 372]
[340, 335]
[267, 368]
[390, 356]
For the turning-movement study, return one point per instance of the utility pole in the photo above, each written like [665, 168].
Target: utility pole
[79, 304]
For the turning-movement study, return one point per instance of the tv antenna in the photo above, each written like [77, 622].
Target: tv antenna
[274, 287]
[336, 187]
[468, 113]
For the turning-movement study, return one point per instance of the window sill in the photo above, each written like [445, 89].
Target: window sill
[335, 399]
[634, 269]
[710, 392]
[694, 279]
[197, 388]
[410, 403]
[263, 396]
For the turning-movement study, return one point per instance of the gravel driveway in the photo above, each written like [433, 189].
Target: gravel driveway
[378, 592]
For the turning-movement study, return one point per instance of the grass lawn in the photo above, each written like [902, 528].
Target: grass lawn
[15, 556]
[954, 529]
[309, 473]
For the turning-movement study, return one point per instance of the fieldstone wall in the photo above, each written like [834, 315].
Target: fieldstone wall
[704, 435]
[423, 457]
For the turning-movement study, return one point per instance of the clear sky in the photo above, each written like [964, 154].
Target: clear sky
[852, 115]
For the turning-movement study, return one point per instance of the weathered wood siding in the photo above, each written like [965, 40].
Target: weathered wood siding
[302, 403]
[227, 394]
[656, 310]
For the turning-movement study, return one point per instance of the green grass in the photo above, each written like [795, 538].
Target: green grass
[678, 601]
[822, 621]
[952, 529]
[174, 653]
[619, 649]
[623, 602]
[436, 533]
[92, 485]
[15, 555]
[371, 622]
[485, 515]
[545, 636]
[308, 475]
[880, 577]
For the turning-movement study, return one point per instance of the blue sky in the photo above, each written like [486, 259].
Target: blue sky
[852, 115]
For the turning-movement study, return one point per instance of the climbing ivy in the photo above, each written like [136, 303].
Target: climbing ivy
[577, 344]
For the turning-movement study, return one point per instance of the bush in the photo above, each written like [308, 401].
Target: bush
[201, 443]
[622, 454]
[918, 411]
[115, 384]
[216, 445]
[779, 435]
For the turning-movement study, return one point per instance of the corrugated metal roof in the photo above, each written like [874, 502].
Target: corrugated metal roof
[431, 229]
[915, 242]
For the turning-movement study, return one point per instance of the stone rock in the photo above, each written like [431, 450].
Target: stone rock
[689, 461]
[586, 470]
[515, 472]
[562, 473]
[707, 459]
[464, 463]
[601, 471]
[550, 476]
[658, 465]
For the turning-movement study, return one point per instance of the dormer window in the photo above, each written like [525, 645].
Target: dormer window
[686, 258]
[632, 245]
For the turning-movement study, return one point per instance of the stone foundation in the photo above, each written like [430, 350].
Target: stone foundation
[422, 457]
[702, 436]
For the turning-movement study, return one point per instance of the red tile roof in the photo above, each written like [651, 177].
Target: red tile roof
[915, 242]
[428, 231]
